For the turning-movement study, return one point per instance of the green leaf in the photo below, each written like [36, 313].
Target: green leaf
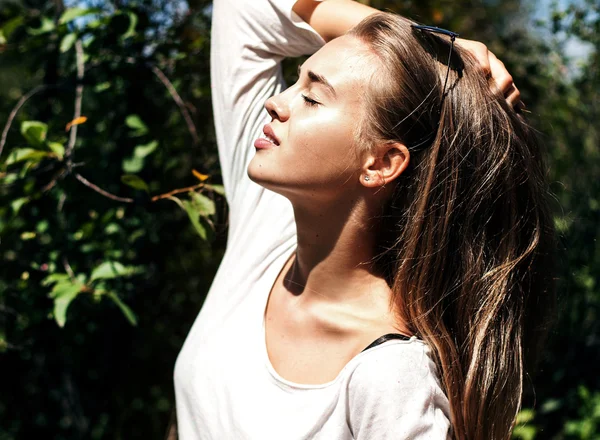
[102, 87]
[135, 123]
[17, 204]
[54, 278]
[34, 132]
[133, 19]
[8, 178]
[203, 204]
[135, 163]
[114, 269]
[132, 164]
[27, 235]
[63, 293]
[142, 151]
[219, 189]
[524, 432]
[124, 308]
[194, 218]
[10, 26]
[73, 13]
[47, 25]
[24, 154]
[526, 415]
[135, 182]
[57, 148]
[67, 42]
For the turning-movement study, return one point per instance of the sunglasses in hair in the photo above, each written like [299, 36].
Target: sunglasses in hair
[452, 35]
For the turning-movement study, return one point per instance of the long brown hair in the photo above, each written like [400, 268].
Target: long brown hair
[467, 237]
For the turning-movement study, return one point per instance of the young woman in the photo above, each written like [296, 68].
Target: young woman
[384, 275]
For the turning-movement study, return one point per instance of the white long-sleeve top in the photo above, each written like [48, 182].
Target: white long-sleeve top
[226, 388]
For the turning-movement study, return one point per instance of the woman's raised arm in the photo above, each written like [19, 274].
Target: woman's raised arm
[333, 18]
[249, 39]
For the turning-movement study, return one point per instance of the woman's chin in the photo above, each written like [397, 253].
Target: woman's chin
[261, 175]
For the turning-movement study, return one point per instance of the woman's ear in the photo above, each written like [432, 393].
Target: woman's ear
[387, 162]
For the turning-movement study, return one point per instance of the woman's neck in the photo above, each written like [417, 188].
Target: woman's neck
[334, 257]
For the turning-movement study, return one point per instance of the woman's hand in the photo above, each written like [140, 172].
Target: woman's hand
[333, 18]
[494, 68]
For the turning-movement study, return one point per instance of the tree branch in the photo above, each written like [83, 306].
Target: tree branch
[101, 191]
[68, 268]
[14, 112]
[184, 111]
[78, 99]
[176, 191]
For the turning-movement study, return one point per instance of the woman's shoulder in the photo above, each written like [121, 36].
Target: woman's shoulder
[394, 392]
[395, 359]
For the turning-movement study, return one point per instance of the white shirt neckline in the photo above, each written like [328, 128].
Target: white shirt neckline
[285, 383]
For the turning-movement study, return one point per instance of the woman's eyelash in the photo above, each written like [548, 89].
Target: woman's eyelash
[310, 102]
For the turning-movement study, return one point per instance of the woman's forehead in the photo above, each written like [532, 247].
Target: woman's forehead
[346, 63]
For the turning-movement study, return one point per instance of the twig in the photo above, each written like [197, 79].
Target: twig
[61, 202]
[101, 191]
[68, 268]
[78, 99]
[14, 112]
[184, 111]
[176, 191]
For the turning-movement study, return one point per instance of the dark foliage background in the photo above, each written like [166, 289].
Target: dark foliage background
[115, 210]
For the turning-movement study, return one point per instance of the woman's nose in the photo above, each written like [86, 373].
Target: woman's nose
[277, 108]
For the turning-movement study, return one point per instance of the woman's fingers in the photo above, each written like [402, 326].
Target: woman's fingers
[512, 95]
[480, 52]
[503, 79]
[492, 67]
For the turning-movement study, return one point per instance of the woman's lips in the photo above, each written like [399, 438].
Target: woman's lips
[268, 141]
[262, 144]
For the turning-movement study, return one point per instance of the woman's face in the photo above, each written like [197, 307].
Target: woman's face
[314, 121]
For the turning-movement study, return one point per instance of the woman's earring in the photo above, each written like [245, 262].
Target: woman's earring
[367, 178]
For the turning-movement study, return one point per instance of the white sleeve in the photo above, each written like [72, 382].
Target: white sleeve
[249, 39]
[395, 394]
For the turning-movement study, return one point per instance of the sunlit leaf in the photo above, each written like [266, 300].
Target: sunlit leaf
[73, 13]
[133, 19]
[10, 26]
[34, 132]
[17, 204]
[57, 148]
[194, 216]
[203, 204]
[114, 269]
[525, 415]
[46, 25]
[76, 121]
[63, 294]
[219, 189]
[102, 87]
[54, 278]
[135, 123]
[201, 177]
[132, 164]
[124, 308]
[135, 182]
[142, 151]
[135, 163]
[28, 235]
[67, 42]
[24, 154]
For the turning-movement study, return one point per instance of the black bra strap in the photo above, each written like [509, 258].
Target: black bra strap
[380, 340]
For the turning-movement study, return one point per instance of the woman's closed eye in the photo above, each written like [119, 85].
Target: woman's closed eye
[310, 102]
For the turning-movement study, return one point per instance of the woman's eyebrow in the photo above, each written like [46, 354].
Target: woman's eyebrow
[316, 78]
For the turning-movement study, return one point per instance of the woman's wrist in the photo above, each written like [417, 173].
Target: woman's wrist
[332, 18]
